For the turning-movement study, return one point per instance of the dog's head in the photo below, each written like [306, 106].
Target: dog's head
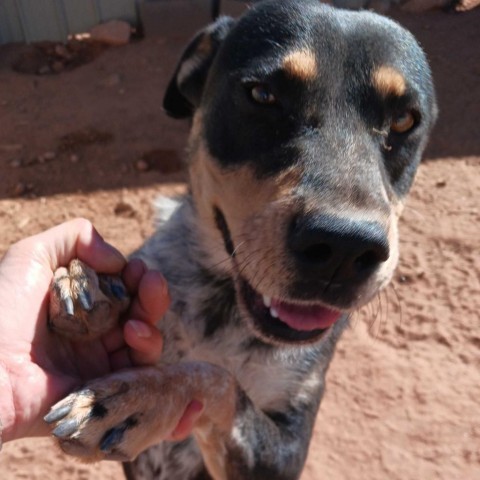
[308, 127]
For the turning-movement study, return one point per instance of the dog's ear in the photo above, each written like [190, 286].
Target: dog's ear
[185, 88]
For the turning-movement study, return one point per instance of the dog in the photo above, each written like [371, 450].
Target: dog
[307, 126]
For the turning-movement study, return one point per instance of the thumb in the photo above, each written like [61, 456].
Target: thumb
[75, 239]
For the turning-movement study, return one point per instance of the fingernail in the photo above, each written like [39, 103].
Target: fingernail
[164, 286]
[141, 329]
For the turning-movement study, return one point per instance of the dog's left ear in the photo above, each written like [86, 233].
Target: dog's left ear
[185, 88]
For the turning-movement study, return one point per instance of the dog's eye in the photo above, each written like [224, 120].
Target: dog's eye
[261, 94]
[403, 123]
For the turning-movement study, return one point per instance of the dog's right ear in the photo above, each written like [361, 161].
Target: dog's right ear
[185, 88]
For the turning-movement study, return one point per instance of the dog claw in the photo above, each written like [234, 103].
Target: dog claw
[118, 291]
[85, 300]
[68, 302]
[58, 413]
[66, 428]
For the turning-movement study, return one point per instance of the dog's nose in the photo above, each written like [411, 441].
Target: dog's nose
[337, 249]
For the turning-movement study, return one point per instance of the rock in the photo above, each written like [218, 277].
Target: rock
[44, 70]
[142, 165]
[465, 5]
[74, 158]
[46, 157]
[62, 52]
[20, 189]
[16, 163]
[114, 32]
[112, 80]
[124, 209]
[58, 67]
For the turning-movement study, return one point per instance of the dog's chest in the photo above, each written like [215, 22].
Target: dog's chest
[268, 375]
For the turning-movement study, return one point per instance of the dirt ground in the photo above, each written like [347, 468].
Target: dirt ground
[404, 388]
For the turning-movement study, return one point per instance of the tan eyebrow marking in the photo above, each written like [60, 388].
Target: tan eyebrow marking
[301, 64]
[389, 81]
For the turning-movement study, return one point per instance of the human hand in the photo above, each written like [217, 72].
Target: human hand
[37, 368]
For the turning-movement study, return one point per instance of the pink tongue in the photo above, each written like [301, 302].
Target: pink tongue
[305, 318]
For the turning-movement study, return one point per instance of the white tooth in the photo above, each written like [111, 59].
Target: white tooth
[267, 301]
[273, 313]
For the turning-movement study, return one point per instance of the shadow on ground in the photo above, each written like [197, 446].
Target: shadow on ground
[101, 126]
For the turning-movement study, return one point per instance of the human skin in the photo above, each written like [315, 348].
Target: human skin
[37, 367]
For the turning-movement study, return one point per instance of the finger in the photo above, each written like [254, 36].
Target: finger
[152, 300]
[113, 340]
[187, 421]
[77, 239]
[145, 341]
[120, 359]
[133, 273]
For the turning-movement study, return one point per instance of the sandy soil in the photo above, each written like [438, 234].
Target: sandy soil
[404, 388]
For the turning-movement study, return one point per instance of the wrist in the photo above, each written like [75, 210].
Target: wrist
[7, 409]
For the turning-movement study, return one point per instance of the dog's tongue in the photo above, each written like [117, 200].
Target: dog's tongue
[305, 318]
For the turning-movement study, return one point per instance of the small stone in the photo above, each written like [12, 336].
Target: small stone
[113, 80]
[46, 157]
[62, 52]
[142, 165]
[124, 209]
[74, 158]
[16, 163]
[441, 184]
[20, 189]
[114, 32]
[44, 70]
[57, 67]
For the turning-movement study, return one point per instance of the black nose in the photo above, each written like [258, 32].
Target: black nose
[337, 249]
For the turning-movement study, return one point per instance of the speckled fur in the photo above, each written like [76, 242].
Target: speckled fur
[203, 324]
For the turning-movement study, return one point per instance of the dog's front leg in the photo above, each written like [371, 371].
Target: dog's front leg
[258, 445]
[120, 415]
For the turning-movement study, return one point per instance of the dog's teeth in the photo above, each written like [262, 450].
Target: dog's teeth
[267, 301]
[273, 313]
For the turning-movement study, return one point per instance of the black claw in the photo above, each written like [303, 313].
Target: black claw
[85, 300]
[118, 291]
[66, 428]
[58, 413]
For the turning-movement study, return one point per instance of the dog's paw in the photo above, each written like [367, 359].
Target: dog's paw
[84, 305]
[96, 423]
[119, 416]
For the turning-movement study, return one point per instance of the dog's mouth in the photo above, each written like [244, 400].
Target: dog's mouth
[284, 320]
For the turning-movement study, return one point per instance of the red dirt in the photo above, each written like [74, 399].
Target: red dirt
[403, 389]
